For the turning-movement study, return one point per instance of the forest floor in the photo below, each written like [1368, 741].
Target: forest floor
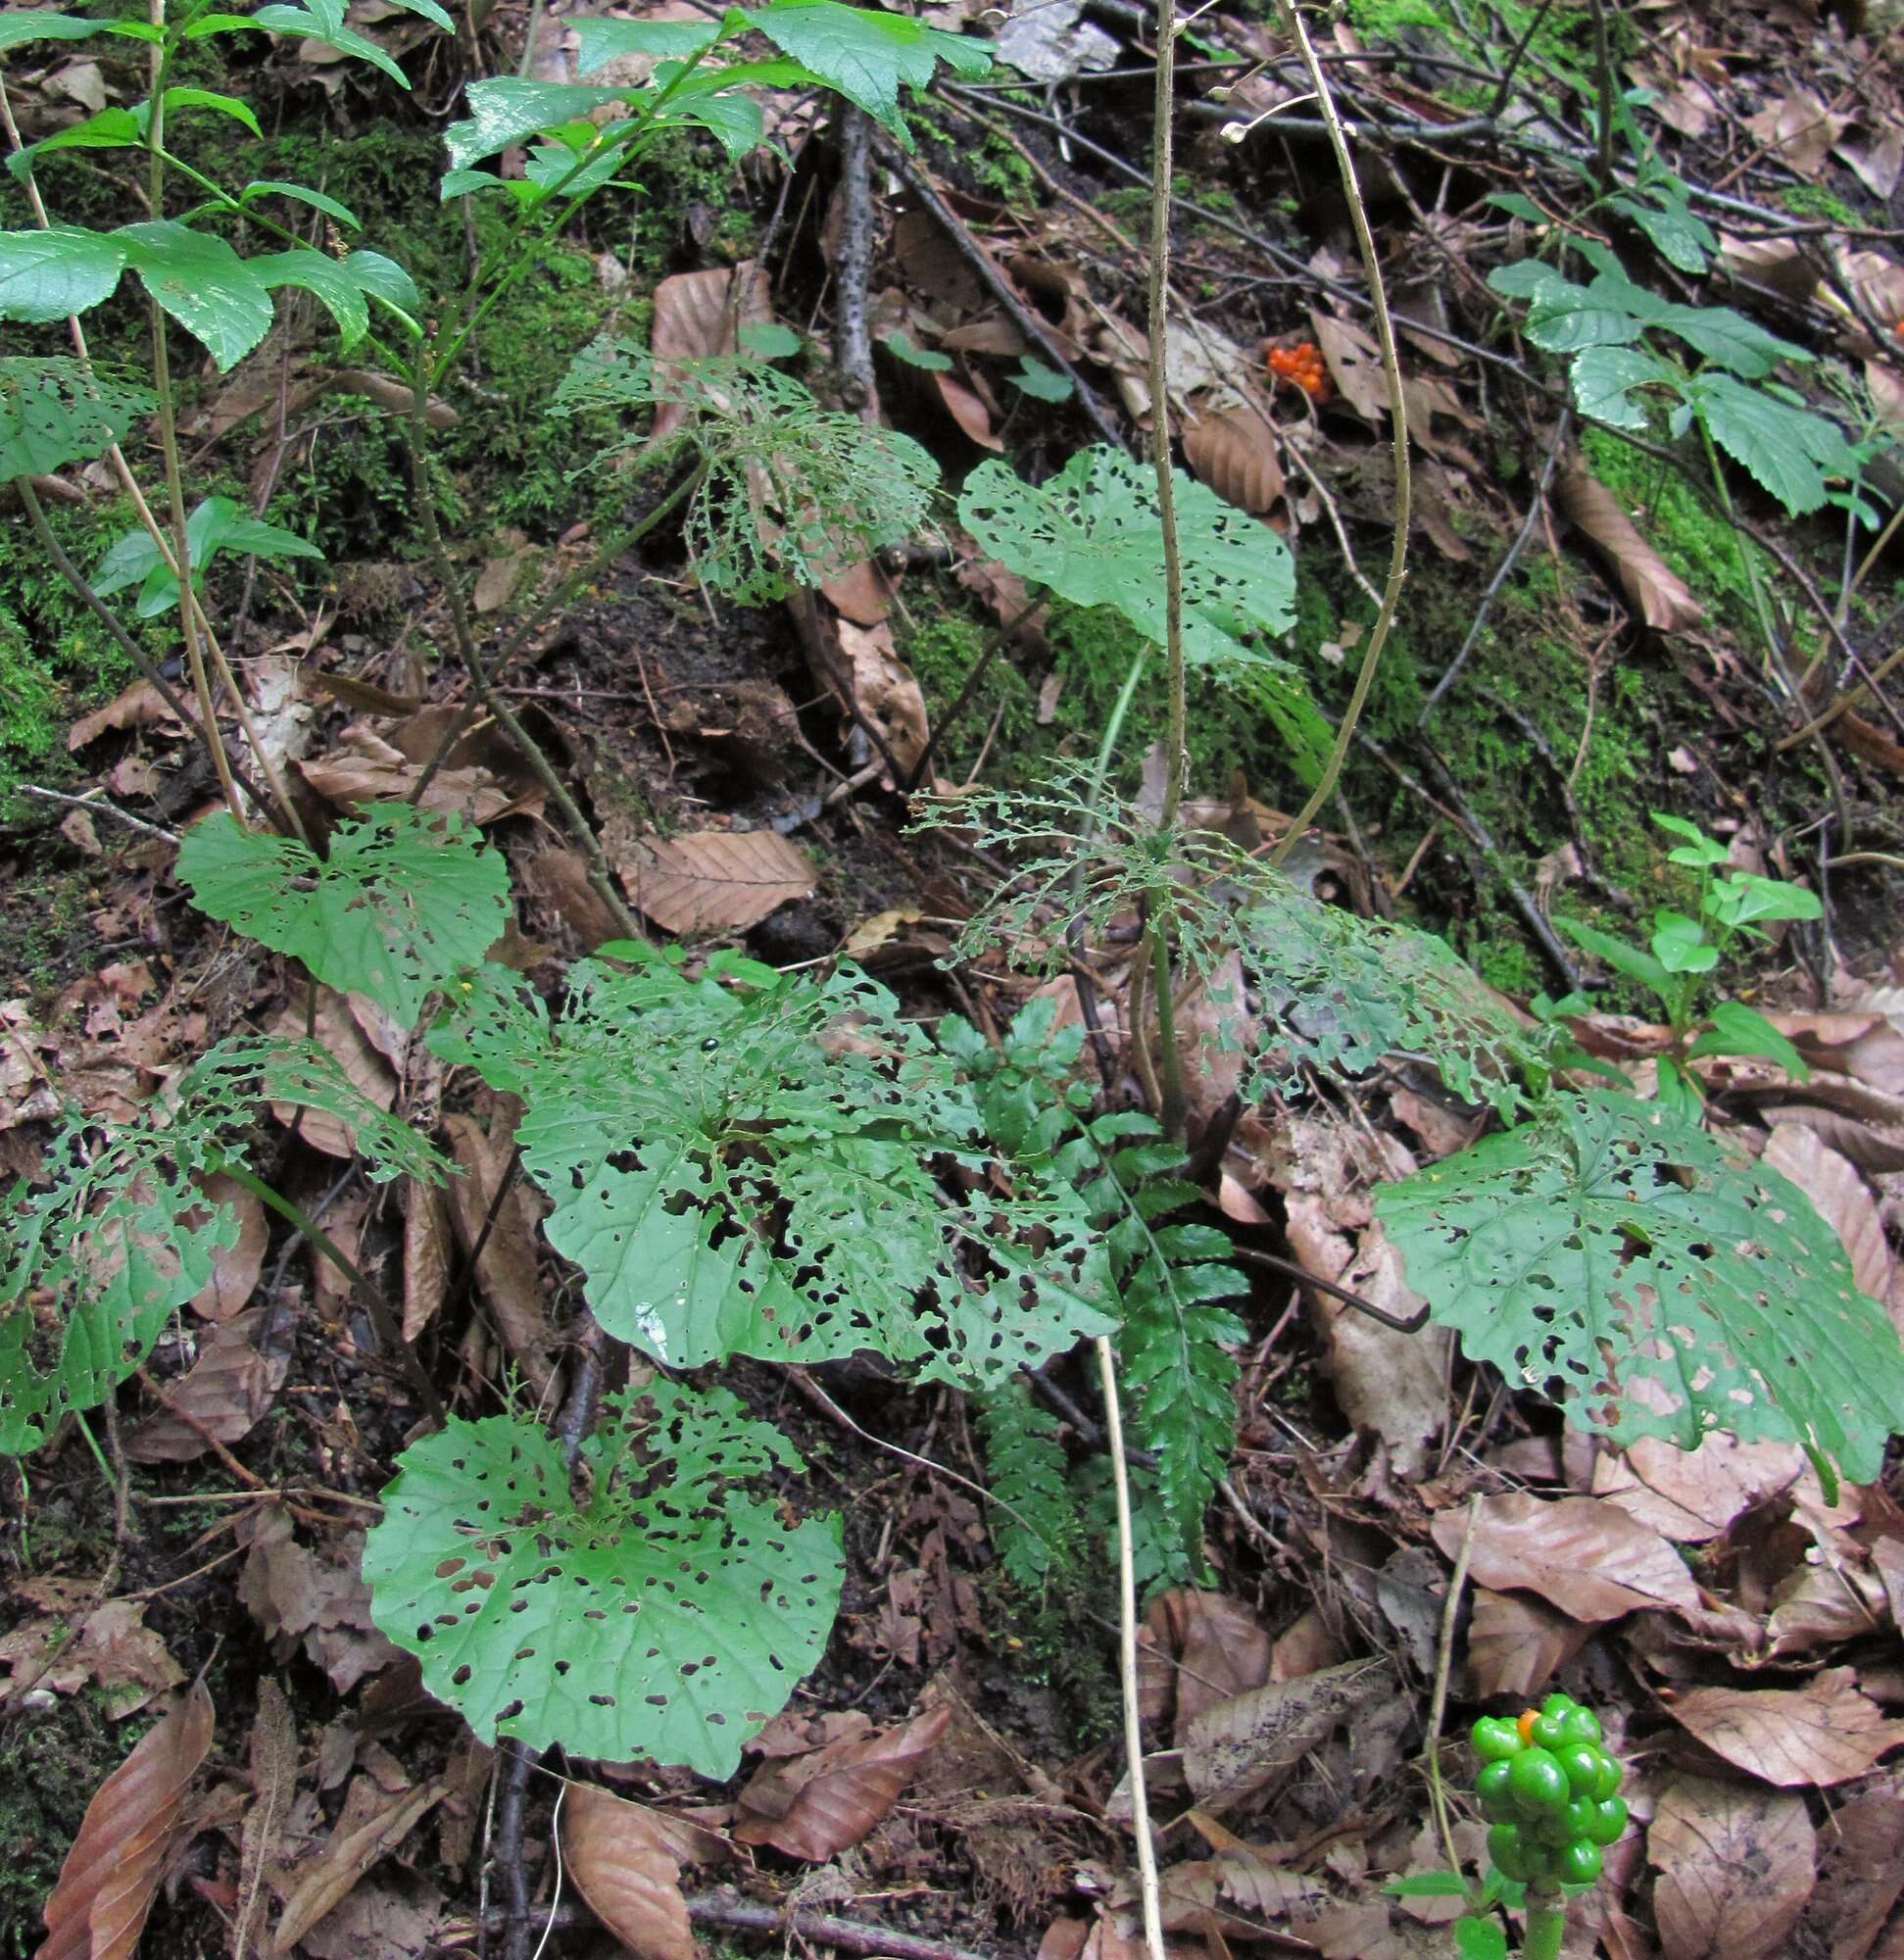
[1580, 643]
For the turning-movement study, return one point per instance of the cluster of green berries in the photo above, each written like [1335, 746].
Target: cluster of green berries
[1549, 1791]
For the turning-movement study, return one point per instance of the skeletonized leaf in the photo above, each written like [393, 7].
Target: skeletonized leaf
[626, 1860]
[815, 1807]
[1822, 1734]
[1735, 1868]
[97, 1910]
[715, 880]
[1653, 588]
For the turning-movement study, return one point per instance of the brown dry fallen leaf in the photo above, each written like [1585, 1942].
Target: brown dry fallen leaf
[1516, 1646]
[1581, 1555]
[626, 1860]
[1235, 453]
[224, 1395]
[137, 707]
[696, 314]
[342, 1038]
[1735, 1867]
[505, 1267]
[67, 1646]
[273, 1785]
[885, 689]
[1654, 591]
[1239, 1895]
[1354, 363]
[1861, 1879]
[234, 1268]
[1690, 1495]
[966, 406]
[1236, 1747]
[427, 1255]
[370, 1825]
[1825, 1732]
[97, 1909]
[815, 1807]
[1194, 1650]
[1799, 130]
[1840, 1197]
[714, 880]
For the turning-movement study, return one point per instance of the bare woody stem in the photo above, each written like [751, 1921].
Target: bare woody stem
[1384, 617]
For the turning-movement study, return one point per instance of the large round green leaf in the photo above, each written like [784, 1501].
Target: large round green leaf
[648, 1610]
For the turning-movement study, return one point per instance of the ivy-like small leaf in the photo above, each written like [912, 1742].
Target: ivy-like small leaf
[55, 410]
[406, 899]
[321, 21]
[217, 525]
[1613, 1255]
[300, 194]
[1737, 1029]
[1604, 379]
[19, 25]
[664, 1614]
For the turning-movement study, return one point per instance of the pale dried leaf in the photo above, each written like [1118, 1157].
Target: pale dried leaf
[97, 1909]
[698, 314]
[1239, 1745]
[496, 583]
[1877, 163]
[1735, 1867]
[1237, 1896]
[348, 1854]
[1798, 129]
[224, 1395]
[135, 706]
[1653, 590]
[1516, 1646]
[714, 880]
[1198, 1648]
[383, 773]
[1825, 1733]
[427, 1255]
[817, 1805]
[1861, 1878]
[1581, 1555]
[885, 689]
[1235, 453]
[342, 1038]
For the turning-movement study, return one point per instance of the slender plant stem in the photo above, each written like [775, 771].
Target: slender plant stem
[388, 1327]
[1546, 1924]
[600, 873]
[1384, 618]
[1120, 1483]
[1444, 1666]
[1603, 89]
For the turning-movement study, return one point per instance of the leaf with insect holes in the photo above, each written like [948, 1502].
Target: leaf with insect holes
[1613, 1255]
[404, 901]
[54, 411]
[660, 1613]
[749, 1163]
[864, 53]
[118, 1233]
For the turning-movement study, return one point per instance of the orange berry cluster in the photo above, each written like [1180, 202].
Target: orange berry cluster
[1302, 365]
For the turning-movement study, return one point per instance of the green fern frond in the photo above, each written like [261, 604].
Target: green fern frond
[1025, 1467]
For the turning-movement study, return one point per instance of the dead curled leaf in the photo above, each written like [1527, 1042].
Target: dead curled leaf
[1585, 1556]
[97, 1909]
[222, 1397]
[626, 1860]
[1825, 1733]
[67, 1648]
[1194, 1650]
[1735, 1867]
[369, 1827]
[1516, 1646]
[1654, 591]
[817, 1805]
